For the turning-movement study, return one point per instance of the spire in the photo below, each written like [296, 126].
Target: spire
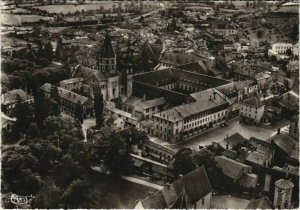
[107, 50]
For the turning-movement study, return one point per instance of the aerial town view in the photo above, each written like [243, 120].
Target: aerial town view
[183, 104]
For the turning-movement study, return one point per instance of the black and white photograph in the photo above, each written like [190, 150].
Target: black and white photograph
[149, 104]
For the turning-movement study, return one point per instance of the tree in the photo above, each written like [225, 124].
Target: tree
[40, 52]
[117, 157]
[55, 108]
[259, 34]
[247, 4]
[48, 51]
[289, 52]
[54, 94]
[79, 113]
[98, 107]
[41, 110]
[22, 113]
[183, 162]
[273, 58]
[19, 168]
[59, 49]
[295, 31]
[75, 194]
[49, 197]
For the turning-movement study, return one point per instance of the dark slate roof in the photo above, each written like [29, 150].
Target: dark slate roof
[196, 185]
[189, 189]
[231, 168]
[230, 154]
[288, 145]
[182, 202]
[155, 201]
[86, 73]
[107, 50]
[253, 102]
[66, 94]
[260, 203]
[202, 67]
[233, 141]
[248, 180]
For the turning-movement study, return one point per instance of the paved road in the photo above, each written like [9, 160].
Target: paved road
[234, 126]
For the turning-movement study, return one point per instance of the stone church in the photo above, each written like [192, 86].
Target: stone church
[114, 83]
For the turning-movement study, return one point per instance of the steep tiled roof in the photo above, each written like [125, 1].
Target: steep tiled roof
[284, 184]
[254, 101]
[66, 94]
[195, 183]
[242, 84]
[248, 180]
[107, 50]
[257, 157]
[11, 96]
[202, 67]
[191, 187]
[86, 73]
[230, 168]
[151, 103]
[155, 201]
[287, 144]
[131, 101]
[203, 103]
[260, 203]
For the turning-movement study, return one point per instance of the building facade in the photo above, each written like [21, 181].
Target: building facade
[281, 48]
[70, 100]
[283, 194]
[251, 110]
[113, 84]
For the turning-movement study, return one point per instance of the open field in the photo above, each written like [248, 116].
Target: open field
[12, 19]
[65, 9]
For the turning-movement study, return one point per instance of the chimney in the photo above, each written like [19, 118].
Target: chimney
[209, 97]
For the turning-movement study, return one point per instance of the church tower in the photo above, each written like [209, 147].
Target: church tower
[107, 57]
[127, 71]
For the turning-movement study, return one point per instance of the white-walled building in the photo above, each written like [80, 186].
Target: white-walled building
[190, 119]
[281, 48]
[252, 110]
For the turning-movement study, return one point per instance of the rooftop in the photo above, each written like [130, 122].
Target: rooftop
[231, 168]
[287, 144]
[11, 96]
[66, 94]
[284, 184]
[151, 103]
[232, 141]
[260, 203]
[107, 50]
[194, 186]
[254, 101]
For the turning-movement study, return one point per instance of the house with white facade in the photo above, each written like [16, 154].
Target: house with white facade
[251, 110]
